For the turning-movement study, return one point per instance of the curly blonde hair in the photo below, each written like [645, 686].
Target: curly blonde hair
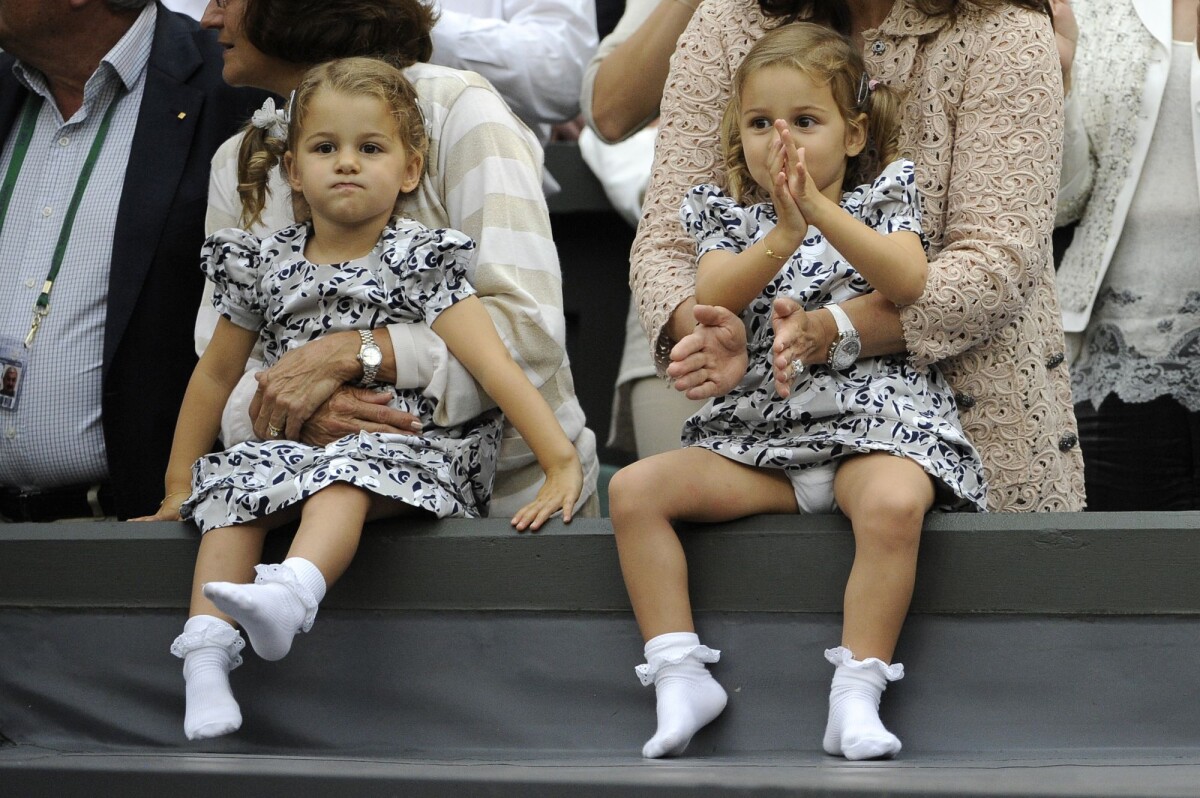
[826, 57]
[262, 150]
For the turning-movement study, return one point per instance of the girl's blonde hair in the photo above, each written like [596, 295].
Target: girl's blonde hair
[262, 148]
[826, 57]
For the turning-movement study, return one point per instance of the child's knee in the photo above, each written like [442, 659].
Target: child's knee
[621, 488]
[890, 515]
[633, 489]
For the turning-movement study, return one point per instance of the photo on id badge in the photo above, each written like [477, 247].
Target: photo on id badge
[12, 372]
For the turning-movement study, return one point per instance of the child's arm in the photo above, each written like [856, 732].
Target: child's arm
[470, 335]
[894, 264]
[199, 423]
[733, 281]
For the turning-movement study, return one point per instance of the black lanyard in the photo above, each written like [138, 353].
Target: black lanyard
[29, 116]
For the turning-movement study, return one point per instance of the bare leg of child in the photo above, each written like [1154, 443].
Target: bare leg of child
[644, 500]
[283, 599]
[886, 498]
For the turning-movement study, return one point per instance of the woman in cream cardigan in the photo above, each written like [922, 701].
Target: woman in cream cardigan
[1129, 282]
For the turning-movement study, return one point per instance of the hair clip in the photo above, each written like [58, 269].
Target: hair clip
[866, 85]
[271, 119]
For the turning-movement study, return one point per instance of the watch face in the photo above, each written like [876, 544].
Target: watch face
[372, 356]
[847, 352]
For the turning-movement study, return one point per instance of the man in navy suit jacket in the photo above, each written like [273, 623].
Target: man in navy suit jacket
[143, 311]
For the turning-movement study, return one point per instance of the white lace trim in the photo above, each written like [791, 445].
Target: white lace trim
[219, 635]
[843, 656]
[700, 653]
[281, 574]
[1112, 366]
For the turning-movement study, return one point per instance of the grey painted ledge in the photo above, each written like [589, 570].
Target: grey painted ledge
[1050, 563]
[1048, 655]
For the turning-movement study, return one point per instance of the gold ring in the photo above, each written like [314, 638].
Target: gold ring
[274, 431]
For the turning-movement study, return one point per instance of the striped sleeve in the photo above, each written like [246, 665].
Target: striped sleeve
[484, 178]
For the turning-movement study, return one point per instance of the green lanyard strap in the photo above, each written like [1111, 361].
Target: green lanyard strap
[29, 117]
[24, 136]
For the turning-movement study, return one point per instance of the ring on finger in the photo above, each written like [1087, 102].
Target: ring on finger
[796, 366]
[274, 431]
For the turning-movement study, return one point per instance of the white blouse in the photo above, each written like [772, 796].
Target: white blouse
[1130, 283]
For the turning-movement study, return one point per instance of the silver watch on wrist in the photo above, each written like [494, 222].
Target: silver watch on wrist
[370, 355]
[844, 350]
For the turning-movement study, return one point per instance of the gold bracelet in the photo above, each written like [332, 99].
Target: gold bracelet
[771, 253]
[176, 493]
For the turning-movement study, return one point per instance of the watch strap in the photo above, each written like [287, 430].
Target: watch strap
[844, 325]
[846, 333]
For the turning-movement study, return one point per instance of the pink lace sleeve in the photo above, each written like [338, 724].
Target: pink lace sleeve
[687, 153]
[992, 198]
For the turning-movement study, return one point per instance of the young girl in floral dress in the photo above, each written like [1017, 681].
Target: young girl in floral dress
[875, 438]
[354, 145]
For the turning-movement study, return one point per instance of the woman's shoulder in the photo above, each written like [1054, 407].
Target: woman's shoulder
[724, 29]
[460, 105]
[734, 12]
[999, 19]
[440, 88]
[972, 24]
[227, 153]
[734, 15]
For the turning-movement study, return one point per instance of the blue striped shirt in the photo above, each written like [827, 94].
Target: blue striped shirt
[54, 437]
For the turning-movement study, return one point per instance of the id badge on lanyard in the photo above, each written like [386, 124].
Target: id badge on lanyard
[13, 369]
[14, 355]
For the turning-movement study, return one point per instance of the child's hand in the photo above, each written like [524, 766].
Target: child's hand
[794, 179]
[789, 172]
[559, 493]
[169, 509]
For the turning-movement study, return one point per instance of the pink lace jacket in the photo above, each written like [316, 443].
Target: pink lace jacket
[983, 122]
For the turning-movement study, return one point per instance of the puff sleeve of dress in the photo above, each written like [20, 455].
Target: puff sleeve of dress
[425, 270]
[716, 221]
[232, 260]
[891, 203]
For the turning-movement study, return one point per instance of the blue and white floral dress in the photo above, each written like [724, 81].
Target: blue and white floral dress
[413, 274]
[878, 404]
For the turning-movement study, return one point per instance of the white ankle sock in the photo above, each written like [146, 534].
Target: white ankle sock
[688, 697]
[854, 729]
[209, 648]
[282, 601]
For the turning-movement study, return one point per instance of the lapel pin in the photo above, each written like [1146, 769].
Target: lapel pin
[182, 114]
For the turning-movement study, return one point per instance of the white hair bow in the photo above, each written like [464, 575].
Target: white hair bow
[271, 119]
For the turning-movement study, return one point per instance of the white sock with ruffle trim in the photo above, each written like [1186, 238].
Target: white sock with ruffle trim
[854, 729]
[282, 601]
[209, 648]
[688, 697]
